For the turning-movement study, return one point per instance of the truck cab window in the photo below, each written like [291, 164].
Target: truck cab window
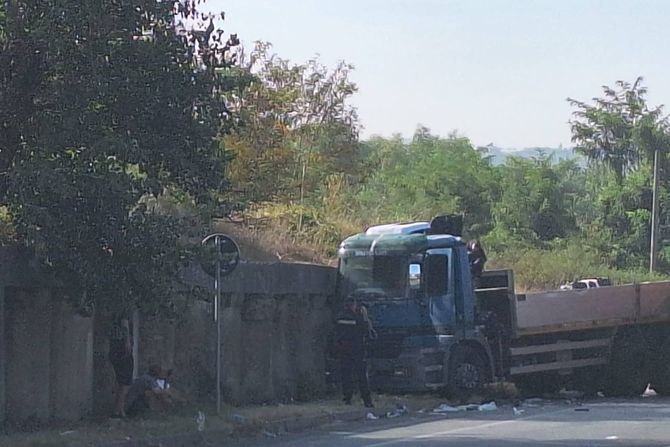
[436, 275]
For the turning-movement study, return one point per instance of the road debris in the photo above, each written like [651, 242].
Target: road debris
[489, 406]
[371, 417]
[200, 421]
[518, 411]
[534, 402]
[399, 411]
[444, 408]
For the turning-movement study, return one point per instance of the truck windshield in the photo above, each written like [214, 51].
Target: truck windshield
[375, 276]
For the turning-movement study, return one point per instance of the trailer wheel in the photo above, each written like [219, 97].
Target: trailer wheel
[661, 370]
[467, 372]
[627, 372]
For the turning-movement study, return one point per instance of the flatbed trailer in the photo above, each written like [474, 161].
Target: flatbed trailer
[435, 331]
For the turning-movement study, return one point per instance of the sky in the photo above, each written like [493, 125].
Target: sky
[494, 71]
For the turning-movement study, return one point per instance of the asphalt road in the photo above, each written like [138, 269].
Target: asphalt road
[598, 422]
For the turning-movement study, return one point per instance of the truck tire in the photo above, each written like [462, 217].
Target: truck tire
[467, 372]
[628, 372]
[660, 376]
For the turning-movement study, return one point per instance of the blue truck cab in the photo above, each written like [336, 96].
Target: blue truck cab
[417, 287]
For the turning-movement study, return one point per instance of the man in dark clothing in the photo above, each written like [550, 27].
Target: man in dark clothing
[477, 259]
[121, 358]
[353, 327]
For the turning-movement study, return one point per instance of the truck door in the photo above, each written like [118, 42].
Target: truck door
[439, 290]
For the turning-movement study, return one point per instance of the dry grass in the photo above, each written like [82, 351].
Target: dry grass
[267, 243]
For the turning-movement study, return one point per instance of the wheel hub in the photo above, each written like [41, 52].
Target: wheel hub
[468, 376]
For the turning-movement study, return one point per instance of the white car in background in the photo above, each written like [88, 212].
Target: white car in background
[587, 283]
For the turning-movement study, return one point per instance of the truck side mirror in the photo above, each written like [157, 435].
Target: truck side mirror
[415, 276]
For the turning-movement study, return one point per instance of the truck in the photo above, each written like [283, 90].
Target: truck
[435, 331]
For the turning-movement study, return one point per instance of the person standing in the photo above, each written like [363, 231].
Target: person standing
[353, 328]
[121, 358]
[477, 259]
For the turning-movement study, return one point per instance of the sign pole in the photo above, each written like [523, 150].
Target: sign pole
[217, 316]
[227, 258]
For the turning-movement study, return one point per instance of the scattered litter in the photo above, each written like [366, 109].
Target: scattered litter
[517, 411]
[200, 421]
[269, 434]
[582, 409]
[399, 411]
[371, 417]
[237, 418]
[533, 402]
[489, 406]
[68, 432]
[600, 394]
[444, 408]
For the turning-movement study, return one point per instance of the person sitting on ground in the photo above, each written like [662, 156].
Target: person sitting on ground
[151, 392]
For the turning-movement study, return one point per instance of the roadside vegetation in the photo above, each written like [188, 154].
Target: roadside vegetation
[129, 131]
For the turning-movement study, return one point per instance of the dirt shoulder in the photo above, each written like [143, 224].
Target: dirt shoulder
[182, 427]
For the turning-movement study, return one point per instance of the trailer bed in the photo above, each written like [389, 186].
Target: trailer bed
[569, 310]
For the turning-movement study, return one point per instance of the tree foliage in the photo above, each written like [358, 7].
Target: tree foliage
[103, 104]
[619, 129]
[295, 127]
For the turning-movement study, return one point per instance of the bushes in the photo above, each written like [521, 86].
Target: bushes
[546, 269]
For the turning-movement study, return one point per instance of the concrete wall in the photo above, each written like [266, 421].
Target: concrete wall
[47, 359]
[53, 362]
[275, 322]
[3, 360]
[46, 363]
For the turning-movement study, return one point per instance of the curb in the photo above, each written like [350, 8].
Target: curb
[272, 428]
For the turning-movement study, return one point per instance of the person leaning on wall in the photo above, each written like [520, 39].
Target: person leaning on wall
[121, 358]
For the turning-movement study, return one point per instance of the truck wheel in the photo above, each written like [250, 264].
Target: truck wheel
[661, 370]
[467, 373]
[627, 372]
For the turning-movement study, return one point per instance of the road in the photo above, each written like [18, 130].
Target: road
[598, 422]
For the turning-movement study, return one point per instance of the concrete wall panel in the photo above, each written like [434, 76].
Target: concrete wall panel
[28, 321]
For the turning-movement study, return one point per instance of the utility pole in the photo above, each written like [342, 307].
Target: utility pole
[653, 252]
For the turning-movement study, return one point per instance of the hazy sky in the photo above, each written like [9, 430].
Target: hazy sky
[496, 71]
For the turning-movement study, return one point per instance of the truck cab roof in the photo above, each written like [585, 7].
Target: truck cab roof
[364, 244]
[400, 228]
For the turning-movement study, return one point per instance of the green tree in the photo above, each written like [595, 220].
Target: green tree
[619, 129]
[103, 104]
[533, 206]
[619, 134]
[295, 127]
[427, 177]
